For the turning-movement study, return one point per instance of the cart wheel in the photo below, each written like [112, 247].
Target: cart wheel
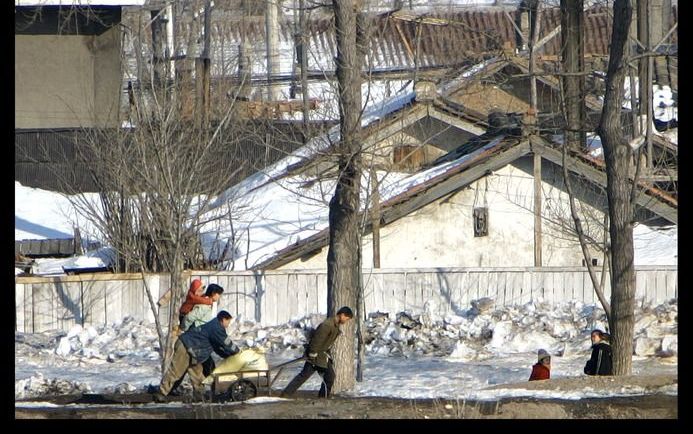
[241, 390]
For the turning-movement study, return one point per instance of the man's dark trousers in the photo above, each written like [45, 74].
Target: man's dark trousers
[327, 375]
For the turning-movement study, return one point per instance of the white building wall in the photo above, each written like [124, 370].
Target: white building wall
[441, 234]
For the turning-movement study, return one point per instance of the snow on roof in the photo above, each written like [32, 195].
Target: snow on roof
[41, 214]
[47, 267]
[375, 111]
[454, 83]
[655, 246]
[270, 214]
[317, 145]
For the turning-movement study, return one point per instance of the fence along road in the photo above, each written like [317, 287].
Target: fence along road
[274, 297]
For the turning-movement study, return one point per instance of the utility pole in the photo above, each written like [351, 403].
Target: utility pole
[535, 11]
[644, 78]
[572, 60]
[158, 45]
[170, 41]
[304, 66]
[272, 41]
[244, 57]
[206, 63]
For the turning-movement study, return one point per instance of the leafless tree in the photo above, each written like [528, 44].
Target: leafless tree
[620, 154]
[618, 157]
[343, 257]
[158, 175]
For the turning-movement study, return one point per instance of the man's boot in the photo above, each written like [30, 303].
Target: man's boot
[198, 396]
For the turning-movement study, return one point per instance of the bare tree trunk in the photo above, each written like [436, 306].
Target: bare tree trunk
[660, 27]
[177, 293]
[572, 59]
[345, 237]
[572, 37]
[535, 23]
[617, 155]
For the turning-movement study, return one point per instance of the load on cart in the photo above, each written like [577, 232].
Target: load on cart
[241, 376]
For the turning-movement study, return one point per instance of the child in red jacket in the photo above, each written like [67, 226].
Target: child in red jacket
[542, 369]
[195, 296]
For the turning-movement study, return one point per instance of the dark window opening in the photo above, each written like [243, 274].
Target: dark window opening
[480, 222]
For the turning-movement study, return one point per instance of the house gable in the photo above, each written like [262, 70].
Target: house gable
[441, 233]
[496, 156]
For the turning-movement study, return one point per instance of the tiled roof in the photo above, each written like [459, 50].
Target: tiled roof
[440, 38]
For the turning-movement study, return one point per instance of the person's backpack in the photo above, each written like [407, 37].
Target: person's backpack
[589, 368]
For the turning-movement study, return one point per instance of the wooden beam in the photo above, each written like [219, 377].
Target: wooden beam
[385, 130]
[537, 210]
[375, 218]
[599, 177]
[548, 37]
[673, 177]
[457, 122]
[405, 42]
[517, 29]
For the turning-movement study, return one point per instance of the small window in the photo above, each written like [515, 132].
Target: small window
[595, 262]
[480, 222]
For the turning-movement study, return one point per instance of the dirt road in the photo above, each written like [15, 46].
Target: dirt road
[306, 406]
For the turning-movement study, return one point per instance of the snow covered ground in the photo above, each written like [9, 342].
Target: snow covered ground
[408, 356]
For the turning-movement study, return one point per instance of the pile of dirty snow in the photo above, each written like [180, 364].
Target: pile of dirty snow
[58, 363]
[123, 357]
[482, 331]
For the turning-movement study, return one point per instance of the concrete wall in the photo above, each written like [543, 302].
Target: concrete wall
[441, 234]
[67, 80]
[275, 297]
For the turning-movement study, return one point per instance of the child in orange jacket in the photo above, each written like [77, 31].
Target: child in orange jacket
[195, 296]
[542, 369]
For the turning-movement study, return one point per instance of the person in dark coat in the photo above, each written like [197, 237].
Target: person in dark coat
[318, 358]
[193, 348]
[542, 369]
[600, 363]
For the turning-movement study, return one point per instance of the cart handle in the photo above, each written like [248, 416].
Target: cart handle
[281, 368]
[289, 362]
